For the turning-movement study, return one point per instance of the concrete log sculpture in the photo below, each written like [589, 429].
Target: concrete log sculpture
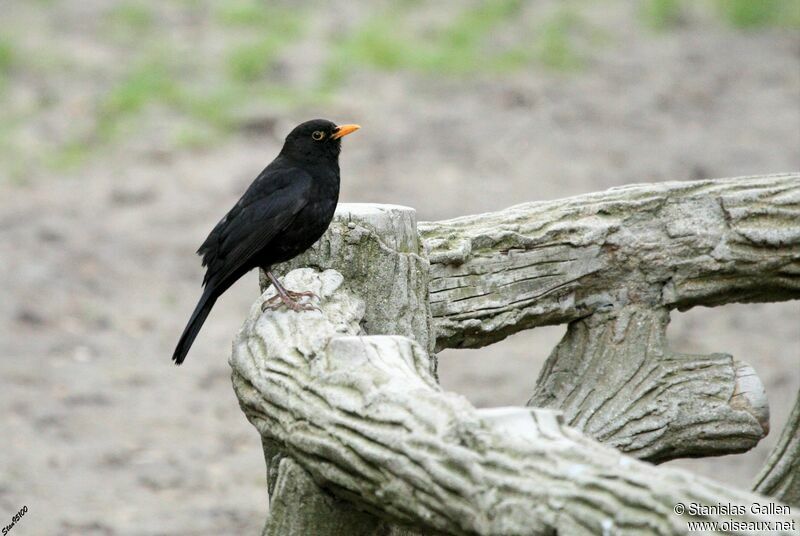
[368, 423]
[612, 264]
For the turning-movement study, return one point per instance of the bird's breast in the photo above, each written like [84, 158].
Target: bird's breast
[309, 225]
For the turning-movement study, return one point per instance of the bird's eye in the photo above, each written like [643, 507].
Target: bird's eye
[318, 135]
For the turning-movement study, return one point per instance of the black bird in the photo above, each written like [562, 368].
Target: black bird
[284, 211]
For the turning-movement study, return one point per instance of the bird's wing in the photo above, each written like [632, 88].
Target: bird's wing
[264, 211]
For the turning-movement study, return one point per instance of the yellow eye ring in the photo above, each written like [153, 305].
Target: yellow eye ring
[318, 135]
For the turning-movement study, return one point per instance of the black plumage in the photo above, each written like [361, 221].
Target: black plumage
[284, 211]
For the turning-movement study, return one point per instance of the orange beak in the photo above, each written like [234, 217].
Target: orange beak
[344, 130]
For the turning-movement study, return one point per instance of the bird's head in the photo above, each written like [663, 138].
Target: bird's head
[318, 139]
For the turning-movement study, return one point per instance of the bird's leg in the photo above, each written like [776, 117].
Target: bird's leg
[287, 297]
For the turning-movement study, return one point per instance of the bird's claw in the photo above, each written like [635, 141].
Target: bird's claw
[297, 306]
[290, 300]
[304, 294]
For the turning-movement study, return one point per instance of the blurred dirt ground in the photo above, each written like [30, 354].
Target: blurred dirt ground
[99, 223]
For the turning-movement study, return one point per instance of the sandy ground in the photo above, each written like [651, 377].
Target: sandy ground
[103, 435]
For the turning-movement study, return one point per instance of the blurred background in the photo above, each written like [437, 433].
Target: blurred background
[128, 128]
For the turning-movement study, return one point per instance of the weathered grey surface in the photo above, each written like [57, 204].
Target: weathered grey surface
[300, 508]
[780, 477]
[615, 379]
[366, 418]
[377, 248]
[674, 244]
[612, 264]
[297, 506]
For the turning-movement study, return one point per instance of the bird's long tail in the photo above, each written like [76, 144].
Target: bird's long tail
[199, 316]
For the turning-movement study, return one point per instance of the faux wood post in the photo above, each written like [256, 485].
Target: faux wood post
[377, 250]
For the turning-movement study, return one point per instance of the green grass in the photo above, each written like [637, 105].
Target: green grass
[244, 13]
[460, 45]
[458, 48]
[208, 94]
[375, 44]
[6, 55]
[461, 42]
[132, 17]
[164, 78]
[555, 49]
[275, 29]
[68, 157]
[212, 107]
[148, 83]
[740, 14]
[749, 14]
[159, 79]
[661, 14]
[7, 58]
[195, 137]
[153, 83]
[252, 61]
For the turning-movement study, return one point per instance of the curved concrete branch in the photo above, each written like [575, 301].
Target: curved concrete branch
[780, 477]
[674, 244]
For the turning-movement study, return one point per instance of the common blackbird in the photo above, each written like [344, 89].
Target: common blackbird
[284, 211]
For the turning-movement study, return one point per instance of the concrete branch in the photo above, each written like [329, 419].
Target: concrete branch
[673, 244]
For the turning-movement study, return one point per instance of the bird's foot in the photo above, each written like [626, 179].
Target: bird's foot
[297, 295]
[290, 299]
